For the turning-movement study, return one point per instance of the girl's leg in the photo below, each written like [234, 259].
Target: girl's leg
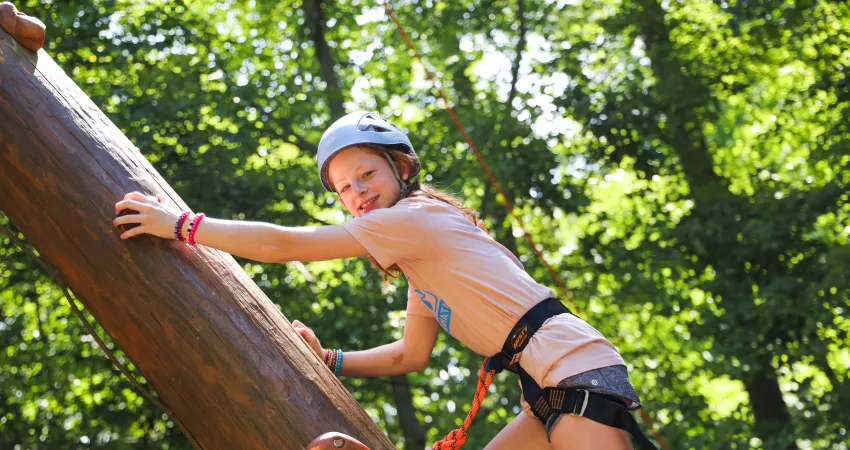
[579, 433]
[525, 432]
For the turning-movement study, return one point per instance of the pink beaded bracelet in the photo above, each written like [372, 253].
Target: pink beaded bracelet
[193, 227]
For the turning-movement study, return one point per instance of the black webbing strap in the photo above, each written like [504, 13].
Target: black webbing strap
[519, 336]
[547, 402]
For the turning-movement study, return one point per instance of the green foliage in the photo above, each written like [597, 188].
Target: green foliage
[684, 165]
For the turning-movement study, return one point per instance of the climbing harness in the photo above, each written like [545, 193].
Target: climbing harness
[547, 403]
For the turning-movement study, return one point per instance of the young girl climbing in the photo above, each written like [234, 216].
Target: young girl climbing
[576, 390]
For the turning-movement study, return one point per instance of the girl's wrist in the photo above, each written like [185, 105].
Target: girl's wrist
[333, 360]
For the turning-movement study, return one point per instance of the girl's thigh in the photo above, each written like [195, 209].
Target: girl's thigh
[579, 433]
[525, 432]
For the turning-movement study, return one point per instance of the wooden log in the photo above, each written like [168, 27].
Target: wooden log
[205, 337]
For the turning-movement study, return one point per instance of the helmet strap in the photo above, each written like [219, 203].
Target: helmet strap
[404, 185]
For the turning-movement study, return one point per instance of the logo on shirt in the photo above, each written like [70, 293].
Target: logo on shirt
[439, 307]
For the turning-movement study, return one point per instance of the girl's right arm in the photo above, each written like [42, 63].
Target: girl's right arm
[410, 354]
[263, 242]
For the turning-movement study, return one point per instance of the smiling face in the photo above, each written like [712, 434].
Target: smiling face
[364, 180]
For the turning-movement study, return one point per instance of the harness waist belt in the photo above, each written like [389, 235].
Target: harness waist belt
[547, 402]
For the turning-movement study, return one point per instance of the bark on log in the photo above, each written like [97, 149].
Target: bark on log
[205, 337]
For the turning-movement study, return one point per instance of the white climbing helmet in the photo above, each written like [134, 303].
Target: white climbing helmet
[362, 127]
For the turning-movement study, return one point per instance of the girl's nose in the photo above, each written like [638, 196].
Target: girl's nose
[359, 187]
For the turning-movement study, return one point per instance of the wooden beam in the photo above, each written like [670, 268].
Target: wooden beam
[206, 338]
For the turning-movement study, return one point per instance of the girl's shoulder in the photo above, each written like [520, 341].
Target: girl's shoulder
[427, 205]
[419, 201]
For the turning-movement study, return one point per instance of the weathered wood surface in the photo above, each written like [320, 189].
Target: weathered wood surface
[206, 338]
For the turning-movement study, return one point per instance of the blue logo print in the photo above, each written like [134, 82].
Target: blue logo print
[439, 307]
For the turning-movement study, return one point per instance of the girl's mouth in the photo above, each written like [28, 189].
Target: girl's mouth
[370, 204]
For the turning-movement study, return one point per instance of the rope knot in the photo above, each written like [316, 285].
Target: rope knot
[453, 441]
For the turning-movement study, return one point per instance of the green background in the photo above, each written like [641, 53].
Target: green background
[683, 164]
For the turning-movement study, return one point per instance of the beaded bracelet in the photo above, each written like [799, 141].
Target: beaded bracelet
[327, 356]
[193, 227]
[331, 360]
[179, 225]
[338, 363]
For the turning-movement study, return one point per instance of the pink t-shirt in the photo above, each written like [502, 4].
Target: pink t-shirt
[475, 288]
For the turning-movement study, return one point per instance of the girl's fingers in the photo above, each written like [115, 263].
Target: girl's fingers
[297, 323]
[160, 198]
[139, 197]
[133, 232]
[131, 204]
[131, 218]
[135, 195]
[306, 333]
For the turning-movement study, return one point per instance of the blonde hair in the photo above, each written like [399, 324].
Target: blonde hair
[420, 190]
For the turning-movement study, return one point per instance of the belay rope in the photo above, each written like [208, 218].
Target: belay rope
[457, 437]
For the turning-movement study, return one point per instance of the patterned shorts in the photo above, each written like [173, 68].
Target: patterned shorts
[612, 381]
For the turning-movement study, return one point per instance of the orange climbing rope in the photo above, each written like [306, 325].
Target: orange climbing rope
[457, 437]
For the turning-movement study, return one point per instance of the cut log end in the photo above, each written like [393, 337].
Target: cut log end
[28, 31]
[336, 441]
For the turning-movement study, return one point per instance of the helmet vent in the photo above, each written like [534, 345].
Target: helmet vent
[377, 124]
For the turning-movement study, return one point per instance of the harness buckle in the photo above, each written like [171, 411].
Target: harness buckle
[515, 358]
[575, 411]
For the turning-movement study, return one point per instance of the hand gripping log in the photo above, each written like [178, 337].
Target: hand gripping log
[28, 31]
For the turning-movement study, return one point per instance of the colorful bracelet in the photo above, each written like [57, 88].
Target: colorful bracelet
[331, 360]
[338, 363]
[179, 225]
[193, 226]
[327, 356]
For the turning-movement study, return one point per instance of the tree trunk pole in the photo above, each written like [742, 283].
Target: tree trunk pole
[213, 346]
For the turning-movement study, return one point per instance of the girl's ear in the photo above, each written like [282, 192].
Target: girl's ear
[403, 168]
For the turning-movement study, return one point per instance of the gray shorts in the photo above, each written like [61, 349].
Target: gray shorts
[612, 381]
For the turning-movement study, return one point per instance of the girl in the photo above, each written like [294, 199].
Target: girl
[459, 279]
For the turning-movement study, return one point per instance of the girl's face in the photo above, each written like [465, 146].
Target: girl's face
[364, 180]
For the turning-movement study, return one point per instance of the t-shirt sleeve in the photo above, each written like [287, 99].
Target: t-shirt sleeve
[393, 234]
[415, 305]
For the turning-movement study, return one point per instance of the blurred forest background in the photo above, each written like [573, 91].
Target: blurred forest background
[684, 164]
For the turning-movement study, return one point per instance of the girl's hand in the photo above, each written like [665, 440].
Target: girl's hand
[310, 337]
[153, 214]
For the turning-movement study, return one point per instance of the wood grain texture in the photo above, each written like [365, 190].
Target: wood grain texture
[206, 338]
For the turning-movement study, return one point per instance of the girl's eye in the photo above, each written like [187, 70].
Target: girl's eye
[343, 189]
[367, 174]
